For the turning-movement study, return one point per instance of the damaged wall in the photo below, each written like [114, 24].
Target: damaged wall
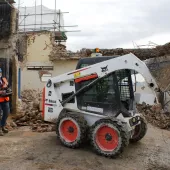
[8, 49]
[36, 60]
[141, 53]
[41, 53]
[59, 52]
[31, 78]
[38, 47]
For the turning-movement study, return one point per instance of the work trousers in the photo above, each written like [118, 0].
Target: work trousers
[4, 112]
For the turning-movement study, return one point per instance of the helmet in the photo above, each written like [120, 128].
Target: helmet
[96, 50]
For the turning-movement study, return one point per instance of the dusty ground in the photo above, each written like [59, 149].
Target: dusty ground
[25, 150]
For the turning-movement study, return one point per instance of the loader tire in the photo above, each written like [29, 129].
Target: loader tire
[140, 131]
[71, 129]
[109, 137]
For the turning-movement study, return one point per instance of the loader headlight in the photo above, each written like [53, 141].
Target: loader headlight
[49, 83]
[134, 121]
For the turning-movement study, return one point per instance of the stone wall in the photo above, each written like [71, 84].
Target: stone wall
[31, 79]
[8, 50]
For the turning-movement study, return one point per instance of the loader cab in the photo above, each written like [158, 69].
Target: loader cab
[84, 62]
[110, 94]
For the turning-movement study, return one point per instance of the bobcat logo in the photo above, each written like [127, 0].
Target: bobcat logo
[49, 93]
[104, 69]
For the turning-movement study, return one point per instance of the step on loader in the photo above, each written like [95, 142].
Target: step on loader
[96, 102]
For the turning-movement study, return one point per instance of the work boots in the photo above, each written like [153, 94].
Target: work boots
[1, 132]
[4, 130]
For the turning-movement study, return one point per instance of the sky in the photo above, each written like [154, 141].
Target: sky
[112, 23]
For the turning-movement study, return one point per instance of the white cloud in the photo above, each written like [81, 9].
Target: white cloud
[113, 23]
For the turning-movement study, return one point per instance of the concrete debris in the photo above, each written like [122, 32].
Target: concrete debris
[58, 51]
[155, 115]
[141, 53]
[29, 113]
[11, 125]
[162, 77]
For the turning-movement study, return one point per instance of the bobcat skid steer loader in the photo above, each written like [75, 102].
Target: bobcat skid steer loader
[96, 102]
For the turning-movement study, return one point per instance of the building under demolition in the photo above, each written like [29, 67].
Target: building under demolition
[33, 48]
[8, 42]
[27, 36]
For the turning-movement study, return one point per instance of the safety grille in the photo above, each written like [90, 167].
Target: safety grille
[123, 84]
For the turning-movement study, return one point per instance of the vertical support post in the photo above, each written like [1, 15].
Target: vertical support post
[14, 84]
[59, 24]
[19, 83]
[35, 15]
[41, 15]
[18, 12]
[7, 68]
[59, 21]
[55, 17]
[7, 64]
[18, 4]
[18, 18]
[25, 17]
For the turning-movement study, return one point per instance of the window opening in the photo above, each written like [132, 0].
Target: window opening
[40, 68]
[45, 77]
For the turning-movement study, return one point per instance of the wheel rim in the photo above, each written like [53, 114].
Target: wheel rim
[107, 138]
[69, 130]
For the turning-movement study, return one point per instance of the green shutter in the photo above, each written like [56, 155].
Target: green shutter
[64, 36]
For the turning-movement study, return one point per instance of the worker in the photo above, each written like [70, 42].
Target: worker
[4, 105]
[96, 53]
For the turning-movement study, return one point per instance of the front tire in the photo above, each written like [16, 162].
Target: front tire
[140, 131]
[71, 129]
[109, 137]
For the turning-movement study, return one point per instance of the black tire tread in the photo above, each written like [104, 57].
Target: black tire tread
[82, 125]
[143, 131]
[123, 133]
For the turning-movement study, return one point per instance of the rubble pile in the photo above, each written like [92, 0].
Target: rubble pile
[141, 53]
[162, 76]
[58, 51]
[11, 125]
[155, 115]
[29, 113]
[83, 53]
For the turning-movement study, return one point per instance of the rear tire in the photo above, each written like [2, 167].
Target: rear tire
[71, 129]
[109, 137]
[140, 131]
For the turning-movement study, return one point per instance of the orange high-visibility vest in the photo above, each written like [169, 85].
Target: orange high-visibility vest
[4, 85]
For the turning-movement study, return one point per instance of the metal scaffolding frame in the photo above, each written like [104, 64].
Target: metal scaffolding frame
[49, 26]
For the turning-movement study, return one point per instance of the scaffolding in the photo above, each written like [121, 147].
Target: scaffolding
[41, 18]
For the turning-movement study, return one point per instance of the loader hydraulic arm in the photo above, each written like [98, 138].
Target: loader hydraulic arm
[79, 91]
[129, 61]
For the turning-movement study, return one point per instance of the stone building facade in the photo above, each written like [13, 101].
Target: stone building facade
[8, 47]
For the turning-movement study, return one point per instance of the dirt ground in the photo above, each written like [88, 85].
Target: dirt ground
[22, 149]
